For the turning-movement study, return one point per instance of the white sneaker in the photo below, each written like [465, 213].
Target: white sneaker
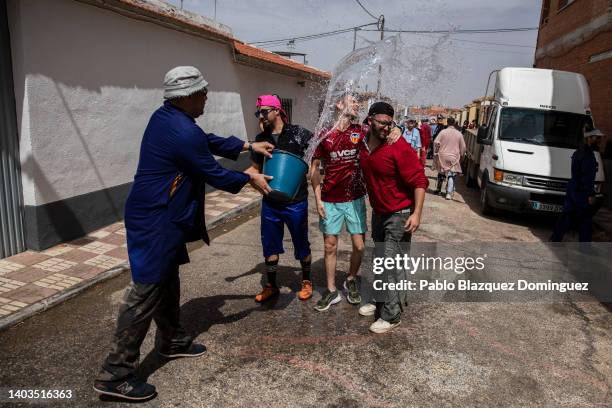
[367, 310]
[449, 196]
[382, 326]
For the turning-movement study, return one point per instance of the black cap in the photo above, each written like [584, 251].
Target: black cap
[381, 108]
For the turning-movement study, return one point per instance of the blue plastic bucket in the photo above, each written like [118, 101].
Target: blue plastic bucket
[288, 171]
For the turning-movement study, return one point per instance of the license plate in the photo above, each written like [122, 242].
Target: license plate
[536, 205]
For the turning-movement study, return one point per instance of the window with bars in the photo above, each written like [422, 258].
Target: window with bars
[287, 105]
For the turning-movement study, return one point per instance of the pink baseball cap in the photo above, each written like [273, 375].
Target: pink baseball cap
[273, 102]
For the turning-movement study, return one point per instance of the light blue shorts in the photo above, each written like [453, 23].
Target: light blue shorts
[353, 213]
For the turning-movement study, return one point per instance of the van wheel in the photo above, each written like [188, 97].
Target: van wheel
[485, 207]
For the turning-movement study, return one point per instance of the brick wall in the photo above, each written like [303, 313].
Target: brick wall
[576, 14]
[575, 57]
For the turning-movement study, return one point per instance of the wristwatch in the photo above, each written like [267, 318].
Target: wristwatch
[250, 147]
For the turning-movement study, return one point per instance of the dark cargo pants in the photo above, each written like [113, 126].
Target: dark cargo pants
[388, 230]
[141, 304]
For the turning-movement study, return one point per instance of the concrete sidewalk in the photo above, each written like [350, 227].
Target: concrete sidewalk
[31, 282]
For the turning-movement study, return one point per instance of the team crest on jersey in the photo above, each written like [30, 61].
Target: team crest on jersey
[355, 137]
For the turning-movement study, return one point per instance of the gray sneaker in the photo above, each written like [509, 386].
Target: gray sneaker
[382, 326]
[328, 299]
[352, 291]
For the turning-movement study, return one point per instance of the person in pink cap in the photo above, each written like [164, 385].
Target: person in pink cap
[276, 212]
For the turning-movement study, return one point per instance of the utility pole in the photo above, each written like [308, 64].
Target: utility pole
[215, 10]
[354, 38]
[381, 27]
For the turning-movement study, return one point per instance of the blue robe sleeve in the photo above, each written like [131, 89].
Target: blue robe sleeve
[228, 147]
[196, 155]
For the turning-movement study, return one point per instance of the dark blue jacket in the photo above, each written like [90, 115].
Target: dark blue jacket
[582, 184]
[159, 224]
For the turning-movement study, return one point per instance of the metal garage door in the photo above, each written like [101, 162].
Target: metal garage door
[11, 207]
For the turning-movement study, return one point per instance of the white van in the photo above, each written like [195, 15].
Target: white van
[534, 124]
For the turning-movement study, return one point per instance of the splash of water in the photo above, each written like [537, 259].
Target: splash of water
[390, 70]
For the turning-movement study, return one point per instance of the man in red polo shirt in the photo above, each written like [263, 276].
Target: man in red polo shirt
[396, 185]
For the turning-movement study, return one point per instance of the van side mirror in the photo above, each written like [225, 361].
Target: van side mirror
[481, 137]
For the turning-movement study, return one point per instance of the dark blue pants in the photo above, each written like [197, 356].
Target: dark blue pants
[572, 215]
[274, 217]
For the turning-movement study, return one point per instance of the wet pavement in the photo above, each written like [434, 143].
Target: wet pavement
[287, 354]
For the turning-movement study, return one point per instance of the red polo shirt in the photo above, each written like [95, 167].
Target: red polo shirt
[392, 173]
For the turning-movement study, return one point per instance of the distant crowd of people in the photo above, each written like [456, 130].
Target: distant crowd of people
[440, 141]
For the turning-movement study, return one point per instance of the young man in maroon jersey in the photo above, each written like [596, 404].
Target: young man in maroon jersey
[396, 185]
[341, 199]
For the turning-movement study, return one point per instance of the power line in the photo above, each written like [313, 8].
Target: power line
[366, 10]
[488, 43]
[494, 50]
[314, 36]
[300, 39]
[474, 31]
[477, 49]
[493, 43]
[483, 49]
[360, 27]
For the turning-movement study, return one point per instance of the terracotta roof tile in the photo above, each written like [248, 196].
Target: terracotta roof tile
[270, 57]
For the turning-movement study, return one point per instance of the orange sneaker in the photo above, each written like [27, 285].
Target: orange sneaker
[266, 293]
[306, 292]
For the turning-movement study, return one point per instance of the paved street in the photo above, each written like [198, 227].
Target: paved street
[286, 354]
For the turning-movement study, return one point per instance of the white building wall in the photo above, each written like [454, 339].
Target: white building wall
[88, 79]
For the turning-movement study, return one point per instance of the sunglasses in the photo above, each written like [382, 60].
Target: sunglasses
[384, 124]
[263, 112]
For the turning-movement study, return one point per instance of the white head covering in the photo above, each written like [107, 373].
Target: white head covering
[594, 132]
[183, 81]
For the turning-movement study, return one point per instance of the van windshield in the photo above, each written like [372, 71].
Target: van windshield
[546, 128]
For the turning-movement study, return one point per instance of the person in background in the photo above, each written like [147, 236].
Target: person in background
[440, 126]
[465, 125]
[396, 184]
[276, 212]
[165, 210]
[425, 130]
[413, 136]
[580, 193]
[433, 124]
[449, 148]
[437, 125]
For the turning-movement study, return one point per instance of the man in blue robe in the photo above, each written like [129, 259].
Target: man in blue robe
[164, 211]
[580, 194]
